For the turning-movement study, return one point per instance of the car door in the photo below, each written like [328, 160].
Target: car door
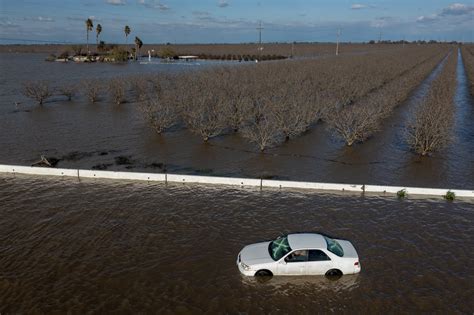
[318, 262]
[294, 264]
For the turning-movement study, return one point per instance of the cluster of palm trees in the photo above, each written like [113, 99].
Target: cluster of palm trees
[127, 31]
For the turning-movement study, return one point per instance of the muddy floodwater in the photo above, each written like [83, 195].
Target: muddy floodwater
[105, 136]
[109, 247]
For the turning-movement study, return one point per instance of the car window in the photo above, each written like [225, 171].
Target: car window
[297, 256]
[317, 255]
[334, 246]
[279, 248]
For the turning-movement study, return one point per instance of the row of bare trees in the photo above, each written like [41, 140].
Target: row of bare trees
[278, 49]
[357, 120]
[93, 89]
[468, 59]
[269, 104]
[430, 127]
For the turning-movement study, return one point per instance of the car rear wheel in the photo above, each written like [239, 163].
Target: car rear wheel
[334, 274]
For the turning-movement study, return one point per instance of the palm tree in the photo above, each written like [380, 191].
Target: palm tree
[127, 32]
[98, 29]
[138, 45]
[89, 26]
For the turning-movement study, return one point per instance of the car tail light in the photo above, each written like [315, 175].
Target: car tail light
[356, 264]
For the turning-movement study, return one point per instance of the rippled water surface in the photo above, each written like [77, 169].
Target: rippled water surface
[102, 246]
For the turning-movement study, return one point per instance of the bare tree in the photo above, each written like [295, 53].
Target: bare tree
[431, 126]
[92, 89]
[237, 103]
[427, 132]
[203, 110]
[139, 86]
[262, 129]
[295, 107]
[354, 123]
[38, 91]
[159, 112]
[117, 88]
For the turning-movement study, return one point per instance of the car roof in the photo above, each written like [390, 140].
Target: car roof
[306, 240]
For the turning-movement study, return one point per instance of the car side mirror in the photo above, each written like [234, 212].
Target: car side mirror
[283, 262]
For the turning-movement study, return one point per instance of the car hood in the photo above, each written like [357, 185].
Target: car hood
[348, 248]
[256, 254]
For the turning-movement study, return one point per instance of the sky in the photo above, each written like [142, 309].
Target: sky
[235, 21]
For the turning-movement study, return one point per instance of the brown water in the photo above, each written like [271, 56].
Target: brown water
[84, 135]
[109, 247]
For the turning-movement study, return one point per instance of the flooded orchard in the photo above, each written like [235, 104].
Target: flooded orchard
[103, 246]
[102, 135]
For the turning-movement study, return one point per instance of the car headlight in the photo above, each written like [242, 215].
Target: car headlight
[246, 267]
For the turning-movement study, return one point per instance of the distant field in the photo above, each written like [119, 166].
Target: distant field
[283, 49]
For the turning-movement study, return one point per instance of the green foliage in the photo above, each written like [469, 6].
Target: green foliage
[450, 196]
[89, 25]
[118, 54]
[402, 194]
[167, 52]
[138, 42]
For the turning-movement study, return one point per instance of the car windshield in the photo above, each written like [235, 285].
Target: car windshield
[334, 247]
[279, 248]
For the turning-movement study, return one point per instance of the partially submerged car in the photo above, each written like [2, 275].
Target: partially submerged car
[299, 254]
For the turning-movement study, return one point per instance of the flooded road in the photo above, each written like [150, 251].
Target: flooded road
[104, 136]
[103, 246]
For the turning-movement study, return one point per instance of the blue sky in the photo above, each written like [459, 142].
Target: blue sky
[234, 21]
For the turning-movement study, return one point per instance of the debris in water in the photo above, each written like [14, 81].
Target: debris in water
[46, 162]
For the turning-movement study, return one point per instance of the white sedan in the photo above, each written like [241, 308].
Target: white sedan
[299, 254]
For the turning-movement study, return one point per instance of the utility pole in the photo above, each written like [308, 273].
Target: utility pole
[380, 37]
[337, 43]
[260, 28]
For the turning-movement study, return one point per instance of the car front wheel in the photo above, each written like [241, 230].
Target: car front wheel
[263, 273]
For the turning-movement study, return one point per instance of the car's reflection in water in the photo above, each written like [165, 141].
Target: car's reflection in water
[321, 283]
